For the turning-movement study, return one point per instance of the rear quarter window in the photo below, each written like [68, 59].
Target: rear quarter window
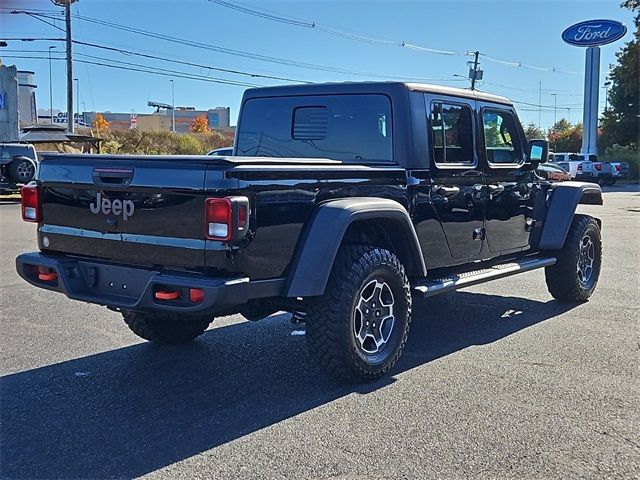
[351, 128]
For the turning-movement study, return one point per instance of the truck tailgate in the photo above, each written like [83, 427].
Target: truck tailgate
[147, 212]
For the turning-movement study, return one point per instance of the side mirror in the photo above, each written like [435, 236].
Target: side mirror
[538, 152]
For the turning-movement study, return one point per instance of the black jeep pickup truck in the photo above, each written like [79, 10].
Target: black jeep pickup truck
[342, 202]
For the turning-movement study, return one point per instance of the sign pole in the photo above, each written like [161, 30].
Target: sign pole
[590, 112]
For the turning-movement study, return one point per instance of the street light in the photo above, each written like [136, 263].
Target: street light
[607, 84]
[555, 107]
[77, 119]
[50, 86]
[173, 108]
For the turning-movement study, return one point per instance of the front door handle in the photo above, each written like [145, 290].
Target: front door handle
[495, 188]
[447, 191]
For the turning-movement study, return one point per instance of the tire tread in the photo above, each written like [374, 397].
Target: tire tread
[325, 313]
[561, 278]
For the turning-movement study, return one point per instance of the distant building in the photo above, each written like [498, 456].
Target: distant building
[9, 130]
[218, 119]
[44, 115]
[28, 112]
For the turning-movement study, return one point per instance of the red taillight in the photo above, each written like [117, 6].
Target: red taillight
[226, 219]
[579, 166]
[219, 223]
[598, 166]
[30, 203]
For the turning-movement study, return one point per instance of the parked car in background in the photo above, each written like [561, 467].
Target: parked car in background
[620, 171]
[222, 152]
[584, 167]
[18, 164]
[553, 173]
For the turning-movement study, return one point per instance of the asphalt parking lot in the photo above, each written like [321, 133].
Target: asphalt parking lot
[498, 381]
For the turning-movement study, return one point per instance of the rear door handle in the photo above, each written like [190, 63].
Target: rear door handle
[447, 191]
[495, 188]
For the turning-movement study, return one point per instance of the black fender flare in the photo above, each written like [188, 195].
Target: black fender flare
[562, 207]
[321, 239]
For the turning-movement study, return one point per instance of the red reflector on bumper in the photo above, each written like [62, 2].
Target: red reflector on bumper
[47, 277]
[196, 295]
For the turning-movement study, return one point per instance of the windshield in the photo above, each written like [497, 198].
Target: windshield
[350, 128]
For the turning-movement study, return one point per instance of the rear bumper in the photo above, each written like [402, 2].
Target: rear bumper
[586, 176]
[135, 288]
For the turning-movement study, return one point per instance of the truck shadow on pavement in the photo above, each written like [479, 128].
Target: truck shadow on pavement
[131, 411]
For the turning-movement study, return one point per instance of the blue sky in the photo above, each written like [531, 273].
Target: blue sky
[515, 31]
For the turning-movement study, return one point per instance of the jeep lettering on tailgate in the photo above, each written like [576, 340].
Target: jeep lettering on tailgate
[114, 207]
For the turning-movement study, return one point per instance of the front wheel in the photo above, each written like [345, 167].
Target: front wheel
[575, 275]
[165, 329]
[357, 330]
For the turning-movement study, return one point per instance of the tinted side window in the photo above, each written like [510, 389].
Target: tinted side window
[451, 130]
[501, 139]
[351, 128]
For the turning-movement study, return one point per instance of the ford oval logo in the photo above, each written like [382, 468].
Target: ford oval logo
[594, 32]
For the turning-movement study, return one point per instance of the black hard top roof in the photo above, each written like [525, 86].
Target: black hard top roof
[389, 88]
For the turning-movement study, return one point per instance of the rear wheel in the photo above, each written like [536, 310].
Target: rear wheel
[169, 330]
[357, 330]
[575, 275]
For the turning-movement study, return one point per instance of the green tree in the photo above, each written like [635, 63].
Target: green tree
[621, 122]
[565, 137]
[531, 131]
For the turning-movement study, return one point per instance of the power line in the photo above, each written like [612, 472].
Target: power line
[142, 69]
[529, 90]
[530, 67]
[181, 62]
[244, 54]
[330, 30]
[333, 31]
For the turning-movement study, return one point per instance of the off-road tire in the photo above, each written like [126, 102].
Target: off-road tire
[563, 279]
[329, 320]
[164, 329]
[22, 170]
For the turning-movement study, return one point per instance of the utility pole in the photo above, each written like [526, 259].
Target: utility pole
[67, 21]
[50, 86]
[607, 84]
[540, 105]
[173, 108]
[475, 70]
[77, 102]
[555, 107]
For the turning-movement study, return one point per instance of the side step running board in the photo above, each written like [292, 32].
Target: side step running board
[467, 279]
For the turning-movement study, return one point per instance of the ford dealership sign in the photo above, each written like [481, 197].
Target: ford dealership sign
[594, 32]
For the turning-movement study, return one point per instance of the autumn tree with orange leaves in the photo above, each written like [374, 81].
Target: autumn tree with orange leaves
[100, 124]
[199, 124]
